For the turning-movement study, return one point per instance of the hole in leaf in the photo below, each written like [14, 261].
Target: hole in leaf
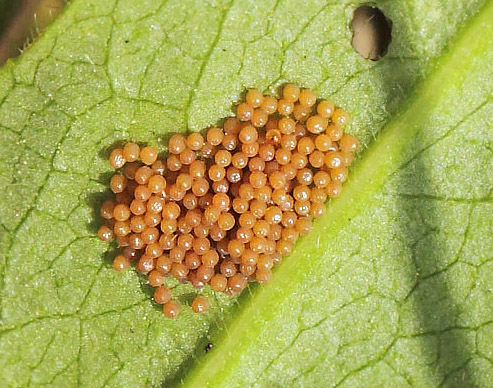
[372, 32]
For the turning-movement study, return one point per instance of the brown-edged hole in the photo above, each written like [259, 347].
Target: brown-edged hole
[372, 32]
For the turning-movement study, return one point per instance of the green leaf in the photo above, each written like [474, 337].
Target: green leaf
[393, 285]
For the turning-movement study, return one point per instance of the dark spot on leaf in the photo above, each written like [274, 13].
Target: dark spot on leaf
[187, 298]
[95, 200]
[148, 290]
[372, 32]
[127, 41]
[208, 347]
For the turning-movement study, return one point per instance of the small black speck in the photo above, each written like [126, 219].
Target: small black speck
[224, 49]
[127, 41]
[208, 347]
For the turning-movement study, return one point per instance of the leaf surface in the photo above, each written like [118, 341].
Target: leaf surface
[392, 287]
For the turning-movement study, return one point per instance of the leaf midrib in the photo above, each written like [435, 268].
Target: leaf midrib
[379, 161]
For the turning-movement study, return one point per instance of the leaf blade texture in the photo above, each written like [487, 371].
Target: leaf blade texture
[392, 286]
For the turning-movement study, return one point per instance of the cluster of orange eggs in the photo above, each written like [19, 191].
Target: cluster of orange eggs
[224, 208]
